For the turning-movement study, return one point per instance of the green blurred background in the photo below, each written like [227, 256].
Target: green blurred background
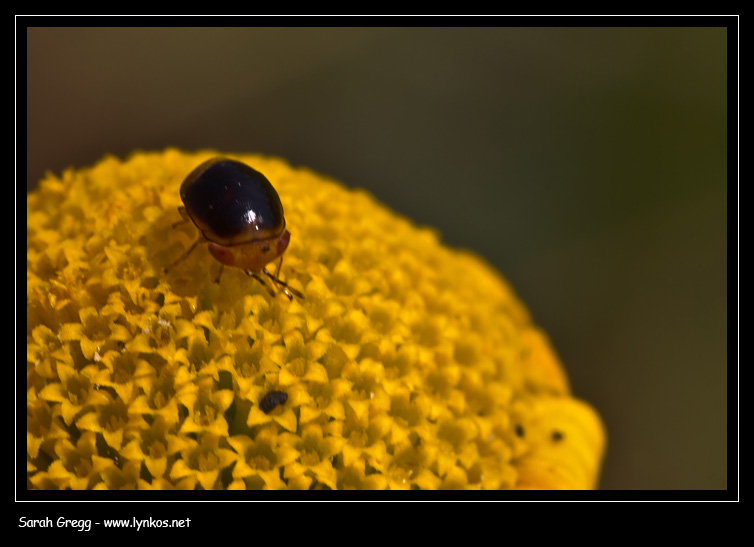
[587, 164]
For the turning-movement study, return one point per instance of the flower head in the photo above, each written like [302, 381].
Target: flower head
[407, 364]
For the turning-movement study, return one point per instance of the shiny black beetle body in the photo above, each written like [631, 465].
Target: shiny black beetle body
[231, 203]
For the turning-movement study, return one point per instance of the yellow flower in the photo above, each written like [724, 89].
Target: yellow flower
[408, 365]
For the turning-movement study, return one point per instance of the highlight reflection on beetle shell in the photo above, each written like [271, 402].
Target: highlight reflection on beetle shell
[232, 203]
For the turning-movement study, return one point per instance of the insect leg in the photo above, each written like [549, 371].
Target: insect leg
[185, 216]
[261, 280]
[183, 256]
[289, 291]
[219, 273]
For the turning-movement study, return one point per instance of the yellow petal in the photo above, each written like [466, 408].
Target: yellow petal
[287, 419]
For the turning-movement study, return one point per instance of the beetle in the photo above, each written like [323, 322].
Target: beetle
[271, 400]
[240, 217]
